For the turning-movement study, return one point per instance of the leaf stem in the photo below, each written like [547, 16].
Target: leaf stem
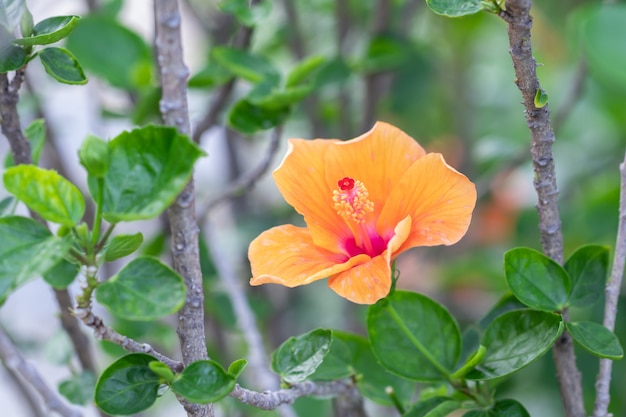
[97, 222]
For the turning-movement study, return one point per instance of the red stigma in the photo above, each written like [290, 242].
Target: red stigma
[346, 184]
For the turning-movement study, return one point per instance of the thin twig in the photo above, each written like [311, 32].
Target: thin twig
[603, 380]
[517, 15]
[184, 229]
[104, 332]
[270, 400]
[13, 360]
[248, 180]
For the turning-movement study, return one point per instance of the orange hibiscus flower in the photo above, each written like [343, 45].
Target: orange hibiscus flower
[364, 201]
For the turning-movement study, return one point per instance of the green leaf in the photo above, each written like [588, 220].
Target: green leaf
[145, 289]
[12, 57]
[444, 409]
[94, 156]
[46, 192]
[502, 408]
[277, 100]
[304, 70]
[455, 8]
[130, 67]
[603, 36]
[162, 370]
[11, 13]
[122, 245]
[596, 339]
[246, 65]
[413, 336]
[541, 98]
[62, 66]
[79, 389]
[337, 363]
[127, 386]
[298, 357]
[514, 340]
[24, 240]
[61, 275]
[149, 167]
[50, 30]
[36, 135]
[5, 204]
[203, 382]
[588, 269]
[537, 280]
[236, 368]
[386, 52]
[211, 76]
[423, 408]
[248, 118]
[26, 23]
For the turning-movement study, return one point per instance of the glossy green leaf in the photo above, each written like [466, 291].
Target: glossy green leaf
[596, 339]
[46, 192]
[413, 336]
[36, 135]
[24, 240]
[246, 65]
[422, 408]
[203, 382]
[127, 386]
[603, 37]
[79, 389]
[372, 379]
[275, 99]
[444, 409]
[211, 76]
[502, 408]
[537, 280]
[588, 269]
[337, 363]
[237, 367]
[130, 67]
[248, 118]
[94, 156]
[514, 340]
[50, 30]
[304, 70]
[298, 357]
[61, 275]
[145, 289]
[62, 66]
[122, 245]
[162, 370]
[455, 8]
[149, 167]
[11, 13]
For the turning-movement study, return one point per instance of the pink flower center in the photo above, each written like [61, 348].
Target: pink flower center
[352, 203]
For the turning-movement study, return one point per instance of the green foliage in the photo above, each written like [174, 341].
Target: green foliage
[94, 156]
[432, 407]
[162, 371]
[36, 135]
[413, 336]
[22, 241]
[596, 339]
[62, 66]
[79, 389]
[127, 386]
[298, 357]
[503, 408]
[246, 14]
[49, 31]
[236, 368]
[537, 280]
[203, 382]
[53, 197]
[246, 65]
[588, 269]
[145, 289]
[515, 339]
[122, 245]
[455, 8]
[61, 275]
[149, 167]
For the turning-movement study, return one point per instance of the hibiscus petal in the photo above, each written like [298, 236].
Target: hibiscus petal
[370, 281]
[286, 255]
[439, 199]
[378, 158]
[301, 180]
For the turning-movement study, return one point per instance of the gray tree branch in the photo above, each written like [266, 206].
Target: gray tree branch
[603, 380]
[13, 360]
[184, 229]
[517, 15]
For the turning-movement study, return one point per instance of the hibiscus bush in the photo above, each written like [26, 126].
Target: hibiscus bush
[428, 239]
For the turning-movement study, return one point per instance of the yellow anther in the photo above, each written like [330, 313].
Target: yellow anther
[352, 200]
